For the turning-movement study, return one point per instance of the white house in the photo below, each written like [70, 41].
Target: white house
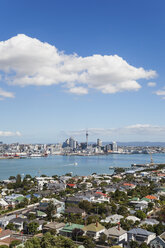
[117, 234]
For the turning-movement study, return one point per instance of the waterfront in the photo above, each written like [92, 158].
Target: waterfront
[59, 165]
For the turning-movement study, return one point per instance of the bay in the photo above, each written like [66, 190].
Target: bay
[60, 165]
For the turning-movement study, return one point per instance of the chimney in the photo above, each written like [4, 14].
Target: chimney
[96, 224]
[119, 226]
[16, 215]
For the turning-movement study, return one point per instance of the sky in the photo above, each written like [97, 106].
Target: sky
[77, 65]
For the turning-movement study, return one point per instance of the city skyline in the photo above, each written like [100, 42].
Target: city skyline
[67, 67]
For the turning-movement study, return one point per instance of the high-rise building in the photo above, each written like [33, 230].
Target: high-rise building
[99, 143]
[114, 146]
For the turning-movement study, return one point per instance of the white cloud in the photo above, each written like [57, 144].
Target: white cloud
[5, 94]
[78, 90]
[160, 92]
[151, 84]
[9, 134]
[28, 61]
[132, 132]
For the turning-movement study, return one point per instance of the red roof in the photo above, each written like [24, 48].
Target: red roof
[151, 197]
[71, 184]
[129, 184]
[161, 174]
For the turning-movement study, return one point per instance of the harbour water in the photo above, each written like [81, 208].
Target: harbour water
[60, 165]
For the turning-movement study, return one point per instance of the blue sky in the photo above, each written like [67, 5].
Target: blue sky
[113, 86]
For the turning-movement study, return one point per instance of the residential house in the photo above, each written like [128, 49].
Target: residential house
[4, 221]
[3, 204]
[59, 205]
[152, 197]
[141, 206]
[114, 219]
[53, 226]
[6, 237]
[140, 235]
[39, 222]
[133, 218]
[18, 223]
[117, 235]
[75, 210]
[149, 222]
[68, 228]
[158, 242]
[5, 234]
[94, 230]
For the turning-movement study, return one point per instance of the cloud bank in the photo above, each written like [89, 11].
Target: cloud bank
[9, 134]
[132, 132]
[27, 61]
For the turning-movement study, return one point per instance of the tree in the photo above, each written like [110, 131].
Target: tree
[50, 210]
[31, 216]
[33, 243]
[143, 245]
[140, 214]
[76, 233]
[18, 181]
[134, 244]
[123, 210]
[102, 239]
[12, 178]
[86, 205]
[23, 203]
[32, 227]
[162, 214]
[113, 208]
[150, 206]
[14, 243]
[159, 229]
[88, 243]
[10, 226]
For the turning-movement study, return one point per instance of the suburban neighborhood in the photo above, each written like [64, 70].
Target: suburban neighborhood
[125, 209]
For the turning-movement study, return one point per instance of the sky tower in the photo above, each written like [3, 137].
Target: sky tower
[87, 137]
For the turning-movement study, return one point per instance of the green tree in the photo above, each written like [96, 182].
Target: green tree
[123, 210]
[76, 233]
[140, 214]
[12, 178]
[10, 226]
[50, 210]
[14, 243]
[143, 245]
[33, 243]
[88, 243]
[86, 205]
[18, 181]
[32, 227]
[134, 244]
[102, 239]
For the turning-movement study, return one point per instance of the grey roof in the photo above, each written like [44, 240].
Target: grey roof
[18, 220]
[115, 231]
[140, 231]
[54, 225]
[150, 222]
